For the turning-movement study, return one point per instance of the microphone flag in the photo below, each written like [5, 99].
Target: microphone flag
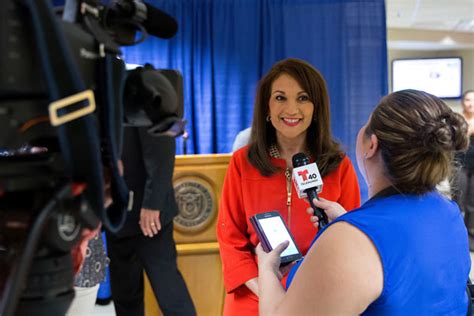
[307, 177]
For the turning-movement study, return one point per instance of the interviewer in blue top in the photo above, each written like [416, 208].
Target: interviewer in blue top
[405, 251]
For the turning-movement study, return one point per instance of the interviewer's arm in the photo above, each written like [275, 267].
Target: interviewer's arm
[271, 293]
[341, 275]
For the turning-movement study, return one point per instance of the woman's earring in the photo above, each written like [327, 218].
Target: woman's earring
[268, 118]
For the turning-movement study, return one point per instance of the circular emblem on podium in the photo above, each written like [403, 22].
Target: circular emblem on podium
[195, 200]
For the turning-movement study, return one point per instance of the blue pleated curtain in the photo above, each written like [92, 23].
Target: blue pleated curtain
[223, 47]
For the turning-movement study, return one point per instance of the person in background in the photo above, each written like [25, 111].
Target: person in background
[464, 187]
[146, 242]
[93, 261]
[405, 251]
[291, 115]
[87, 281]
[242, 139]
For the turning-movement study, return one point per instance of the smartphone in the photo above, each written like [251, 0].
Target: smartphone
[272, 231]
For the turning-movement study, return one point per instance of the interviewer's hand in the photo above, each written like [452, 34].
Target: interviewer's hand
[150, 222]
[271, 261]
[332, 209]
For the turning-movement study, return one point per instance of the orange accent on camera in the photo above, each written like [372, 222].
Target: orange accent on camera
[78, 188]
[35, 121]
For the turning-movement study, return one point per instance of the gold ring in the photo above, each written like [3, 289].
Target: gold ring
[152, 224]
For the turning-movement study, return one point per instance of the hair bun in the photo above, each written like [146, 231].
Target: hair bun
[447, 132]
[437, 136]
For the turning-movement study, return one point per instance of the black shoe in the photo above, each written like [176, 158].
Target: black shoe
[103, 301]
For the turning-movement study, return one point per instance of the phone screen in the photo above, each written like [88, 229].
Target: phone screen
[277, 233]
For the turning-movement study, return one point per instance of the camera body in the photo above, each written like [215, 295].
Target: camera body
[65, 95]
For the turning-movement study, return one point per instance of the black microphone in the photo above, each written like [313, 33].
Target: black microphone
[308, 181]
[158, 23]
[155, 21]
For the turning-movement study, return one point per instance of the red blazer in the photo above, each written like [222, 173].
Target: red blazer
[245, 193]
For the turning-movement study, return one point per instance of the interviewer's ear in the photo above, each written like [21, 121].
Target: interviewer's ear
[374, 146]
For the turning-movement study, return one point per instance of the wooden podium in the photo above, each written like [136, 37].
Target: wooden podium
[197, 181]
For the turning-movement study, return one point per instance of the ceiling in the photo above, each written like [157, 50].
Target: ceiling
[451, 15]
[448, 24]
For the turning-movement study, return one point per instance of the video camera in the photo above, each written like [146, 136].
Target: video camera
[64, 96]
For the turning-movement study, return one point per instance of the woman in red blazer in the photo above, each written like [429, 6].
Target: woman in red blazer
[291, 115]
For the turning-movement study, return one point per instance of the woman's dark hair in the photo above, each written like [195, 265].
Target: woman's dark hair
[417, 135]
[319, 142]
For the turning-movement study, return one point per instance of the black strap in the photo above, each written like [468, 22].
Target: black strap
[112, 74]
[78, 138]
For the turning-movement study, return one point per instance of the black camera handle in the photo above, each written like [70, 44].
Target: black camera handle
[90, 15]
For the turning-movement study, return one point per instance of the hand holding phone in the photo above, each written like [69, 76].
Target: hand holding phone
[272, 231]
[271, 261]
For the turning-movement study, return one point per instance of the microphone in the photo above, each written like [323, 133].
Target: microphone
[308, 183]
[158, 23]
[155, 21]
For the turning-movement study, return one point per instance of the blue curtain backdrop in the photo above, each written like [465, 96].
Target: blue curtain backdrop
[223, 47]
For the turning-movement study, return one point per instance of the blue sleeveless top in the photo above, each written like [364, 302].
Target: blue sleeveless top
[422, 243]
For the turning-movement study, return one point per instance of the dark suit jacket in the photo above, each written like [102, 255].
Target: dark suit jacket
[148, 171]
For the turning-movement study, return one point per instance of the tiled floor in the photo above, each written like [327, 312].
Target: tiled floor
[107, 310]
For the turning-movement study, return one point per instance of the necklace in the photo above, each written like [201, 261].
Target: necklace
[274, 152]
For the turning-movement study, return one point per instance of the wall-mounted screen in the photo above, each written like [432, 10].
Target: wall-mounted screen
[441, 77]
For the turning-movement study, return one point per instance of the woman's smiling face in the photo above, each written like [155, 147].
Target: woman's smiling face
[291, 110]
